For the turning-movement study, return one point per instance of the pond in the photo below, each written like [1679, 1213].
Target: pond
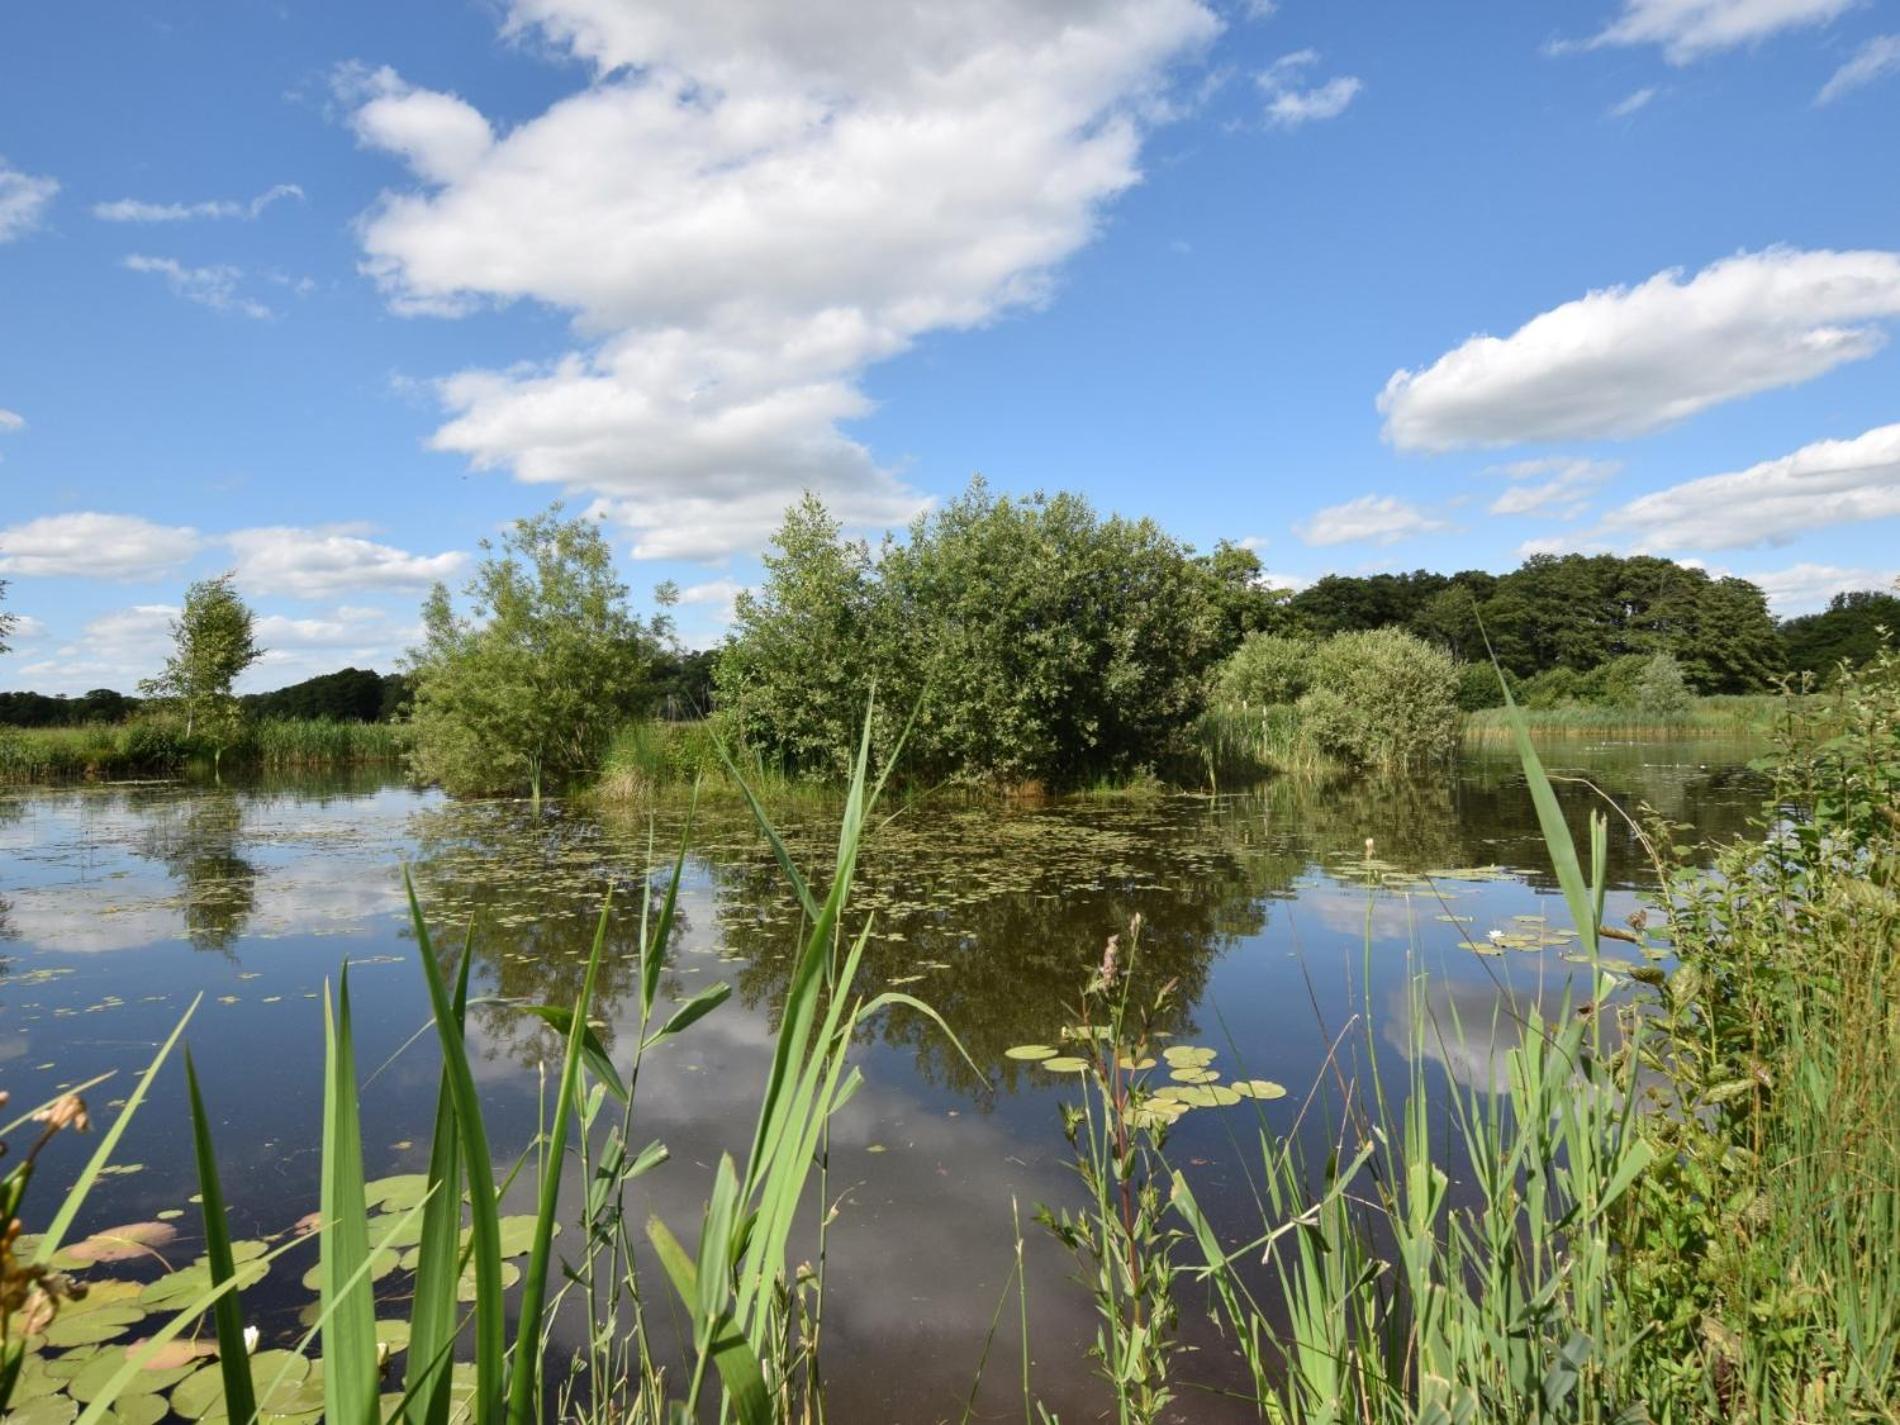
[119, 904]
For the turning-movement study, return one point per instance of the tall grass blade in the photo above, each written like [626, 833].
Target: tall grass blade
[433, 1318]
[1550, 820]
[485, 1218]
[523, 1383]
[234, 1361]
[55, 1234]
[349, 1335]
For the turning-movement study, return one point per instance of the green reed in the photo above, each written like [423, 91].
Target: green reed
[158, 746]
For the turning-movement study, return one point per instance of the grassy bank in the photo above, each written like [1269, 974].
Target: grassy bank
[1676, 1198]
[155, 747]
[1734, 715]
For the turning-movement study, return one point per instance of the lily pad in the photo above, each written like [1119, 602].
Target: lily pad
[1258, 1088]
[123, 1244]
[1194, 1076]
[1065, 1064]
[91, 1327]
[398, 1193]
[44, 1410]
[1029, 1053]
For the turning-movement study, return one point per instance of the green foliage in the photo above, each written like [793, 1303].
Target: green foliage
[1662, 690]
[528, 686]
[1572, 611]
[1382, 699]
[157, 743]
[348, 695]
[1478, 687]
[8, 621]
[1047, 644]
[1266, 669]
[213, 641]
[1848, 632]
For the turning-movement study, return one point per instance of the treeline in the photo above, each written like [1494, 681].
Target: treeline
[348, 695]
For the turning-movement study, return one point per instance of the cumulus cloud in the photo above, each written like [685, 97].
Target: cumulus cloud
[23, 200]
[330, 561]
[1556, 485]
[1630, 103]
[1876, 59]
[1688, 30]
[215, 286]
[1625, 360]
[1805, 588]
[749, 205]
[114, 650]
[95, 546]
[1384, 519]
[1827, 483]
[1290, 105]
[133, 210]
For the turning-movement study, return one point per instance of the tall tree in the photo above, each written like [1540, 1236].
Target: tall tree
[213, 641]
[8, 622]
[527, 686]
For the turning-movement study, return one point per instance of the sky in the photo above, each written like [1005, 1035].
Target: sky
[325, 294]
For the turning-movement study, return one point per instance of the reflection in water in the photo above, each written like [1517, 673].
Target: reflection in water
[1251, 901]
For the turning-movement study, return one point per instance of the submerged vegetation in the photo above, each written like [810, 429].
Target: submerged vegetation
[1671, 1195]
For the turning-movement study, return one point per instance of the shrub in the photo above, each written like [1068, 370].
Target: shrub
[1662, 690]
[1478, 687]
[1382, 699]
[1266, 669]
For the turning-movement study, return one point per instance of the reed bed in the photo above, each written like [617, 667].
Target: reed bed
[157, 747]
[1730, 715]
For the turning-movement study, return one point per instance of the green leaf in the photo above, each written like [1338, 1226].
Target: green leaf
[234, 1361]
[694, 1010]
[350, 1384]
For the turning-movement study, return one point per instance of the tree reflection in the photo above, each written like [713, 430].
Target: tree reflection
[197, 838]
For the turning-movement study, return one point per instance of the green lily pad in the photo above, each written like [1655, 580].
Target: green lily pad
[517, 1234]
[44, 1410]
[1186, 1056]
[90, 1327]
[183, 1287]
[380, 1266]
[1065, 1064]
[1029, 1052]
[1194, 1076]
[93, 1377]
[1258, 1088]
[136, 1410]
[398, 1193]
[465, 1289]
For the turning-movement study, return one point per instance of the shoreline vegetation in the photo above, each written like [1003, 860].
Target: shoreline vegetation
[1675, 1198]
[160, 747]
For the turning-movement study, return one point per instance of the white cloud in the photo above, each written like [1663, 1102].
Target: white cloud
[330, 561]
[215, 286]
[1688, 30]
[23, 200]
[25, 626]
[1625, 360]
[11, 420]
[1559, 485]
[1829, 482]
[1805, 588]
[1255, 542]
[1876, 59]
[749, 205]
[1632, 102]
[96, 546]
[1289, 105]
[115, 650]
[133, 210]
[717, 595]
[1383, 518]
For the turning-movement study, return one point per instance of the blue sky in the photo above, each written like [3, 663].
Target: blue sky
[327, 293]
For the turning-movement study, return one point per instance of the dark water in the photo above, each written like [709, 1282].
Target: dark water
[118, 905]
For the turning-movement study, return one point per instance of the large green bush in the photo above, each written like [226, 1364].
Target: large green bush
[1382, 698]
[1267, 668]
[1037, 641]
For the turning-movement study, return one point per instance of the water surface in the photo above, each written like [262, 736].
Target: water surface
[120, 904]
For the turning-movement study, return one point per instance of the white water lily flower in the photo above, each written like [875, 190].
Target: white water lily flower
[1497, 937]
[250, 1340]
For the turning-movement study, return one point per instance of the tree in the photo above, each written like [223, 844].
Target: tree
[1847, 632]
[1243, 602]
[8, 622]
[795, 675]
[526, 688]
[1662, 691]
[1266, 670]
[213, 641]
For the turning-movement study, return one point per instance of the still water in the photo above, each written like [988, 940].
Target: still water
[120, 904]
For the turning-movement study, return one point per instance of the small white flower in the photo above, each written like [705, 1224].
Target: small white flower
[250, 1340]
[1497, 937]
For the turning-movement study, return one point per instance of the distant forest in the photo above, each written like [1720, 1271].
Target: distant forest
[682, 688]
[1554, 611]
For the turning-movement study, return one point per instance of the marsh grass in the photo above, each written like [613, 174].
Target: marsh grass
[157, 746]
[1727, 715]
